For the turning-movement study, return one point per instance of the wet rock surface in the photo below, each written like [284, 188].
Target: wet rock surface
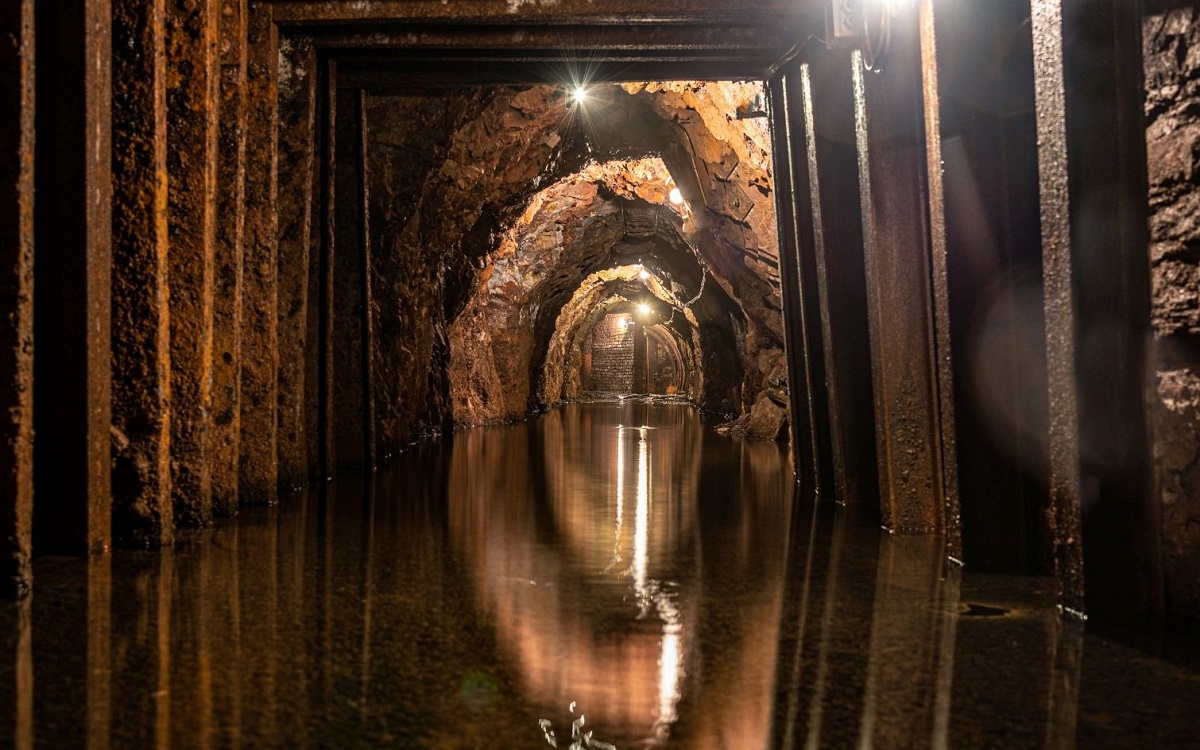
[1171, 42]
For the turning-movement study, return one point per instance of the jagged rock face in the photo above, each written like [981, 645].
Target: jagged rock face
[1172, 60]
[1172, 73]
[443, 171]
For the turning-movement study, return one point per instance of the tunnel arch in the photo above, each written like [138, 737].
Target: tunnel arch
[610, 215]
[634, 151]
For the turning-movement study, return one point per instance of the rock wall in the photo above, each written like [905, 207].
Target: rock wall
[1171, 39]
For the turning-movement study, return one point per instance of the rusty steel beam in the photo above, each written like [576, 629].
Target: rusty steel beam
[193, 102]
[736, 40]
[791, 177]
[326, 414]
[348, 276]
[940, 278]
[981, 140]
[892, 158]
[770, 13]
[16, 296]
[370, 456]
[225, 427]
[143, 513]
[72, 311]
[828, 100]
[297, 143]
[258, 443]
[1091, 156]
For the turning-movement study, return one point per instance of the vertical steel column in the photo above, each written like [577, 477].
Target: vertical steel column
[981, 138]
[225, 428]
[326, 439]
[193, 106]
[141, 356]
[892, 166]
[73, 227]
[348, 277]
[16, 297]
[368, 320]
[1087, 58]
[828, 102]
[794, 218]
[258, 469]
[297, 131]
[943, 365]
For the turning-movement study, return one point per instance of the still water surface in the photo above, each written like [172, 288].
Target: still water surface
[607, 575]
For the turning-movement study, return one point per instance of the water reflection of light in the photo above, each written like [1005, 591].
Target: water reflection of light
[650, 593]
[616, 558]
[641, 536]
[670, 673]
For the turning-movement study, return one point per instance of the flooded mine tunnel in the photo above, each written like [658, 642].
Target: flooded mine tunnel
[744, 374]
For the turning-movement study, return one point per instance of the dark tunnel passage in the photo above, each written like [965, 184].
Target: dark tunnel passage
[752, 373]
[499, 219]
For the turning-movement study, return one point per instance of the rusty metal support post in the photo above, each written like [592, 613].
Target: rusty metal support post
[193, 101]
[794, 222]
[1087, 58]
[73, 228]
[225, 427]
[142, 512]
[943, 364]
[326, 437]
[258, 444]
[368, 319]
[827, 98]
[892, 164]
[981, 138]
[297, 94]
[348, 282]
[16, 296]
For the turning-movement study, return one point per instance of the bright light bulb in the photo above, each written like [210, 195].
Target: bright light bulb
[643, 274]
[644, 309]
[579, 94]
[676, 196]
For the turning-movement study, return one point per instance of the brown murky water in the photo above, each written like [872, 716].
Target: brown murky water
[613, 574]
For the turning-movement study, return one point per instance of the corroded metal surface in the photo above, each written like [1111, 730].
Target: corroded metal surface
[1066, 482]
[789, 167]
[258, 468]
[370, 459]
[940, 276]
[324, 299]
[192, 118]
[225, 427]
[72, 217]
[1100, 246]
[16, 296]
[838, 250]
[899, 298]
[630, 12]
[142, 513]
[297, 141]
[349, 275]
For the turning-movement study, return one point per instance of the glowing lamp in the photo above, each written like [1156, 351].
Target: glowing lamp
[675, 196]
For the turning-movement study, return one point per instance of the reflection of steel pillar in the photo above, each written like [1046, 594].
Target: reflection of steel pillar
[641, 360]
